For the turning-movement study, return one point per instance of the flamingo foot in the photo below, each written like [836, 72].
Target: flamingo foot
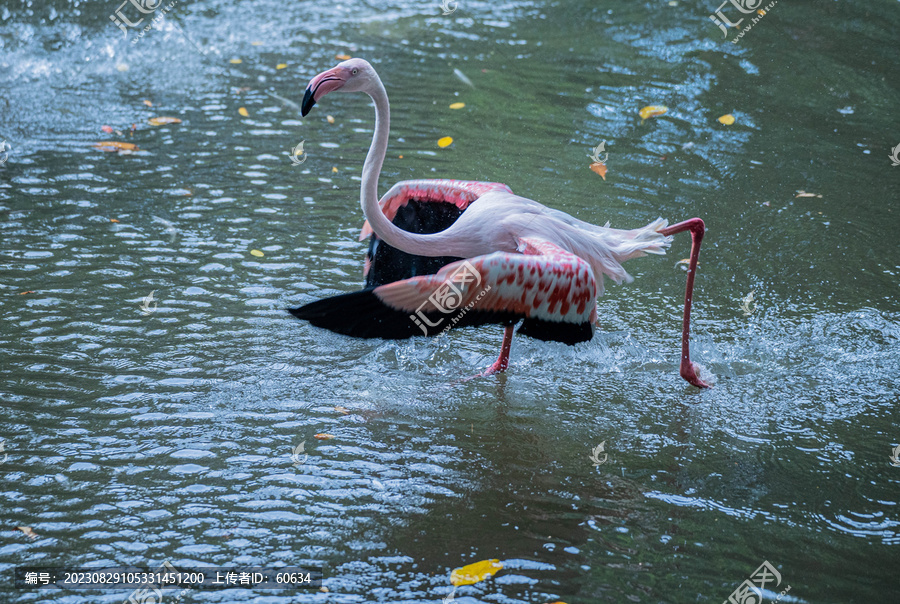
[691, 373]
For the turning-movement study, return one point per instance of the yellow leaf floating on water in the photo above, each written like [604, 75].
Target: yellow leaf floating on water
[162, 121]
[652, 111]
[148, 103]
[329, 119]
[114, 220]
[243, 111]
[235, 61]
[726, 119]
[805, 194]
[28, 532]
[599, 168]
[457, 105]
[334, 169]
[281, 66]
[343, 57]
[124, 148]
[323, 436]
[445, 142]
[473, 573]
[256, 253]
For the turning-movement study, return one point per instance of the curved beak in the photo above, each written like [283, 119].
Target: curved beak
[319, 86]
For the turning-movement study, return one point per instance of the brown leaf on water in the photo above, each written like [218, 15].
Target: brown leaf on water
[162, 121]
[343, 410]
[114, 220]
[323, 436]
[243, 111]
[599, 168]
[122, 148]
[31, 291]
[148, 103]
[652, 111]
[28, 532]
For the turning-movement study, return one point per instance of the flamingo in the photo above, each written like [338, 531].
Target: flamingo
[510, 258]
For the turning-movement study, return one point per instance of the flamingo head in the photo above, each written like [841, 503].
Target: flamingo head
[353, 75]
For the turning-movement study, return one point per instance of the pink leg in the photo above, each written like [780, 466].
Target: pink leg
[502, 361]
[696, 227]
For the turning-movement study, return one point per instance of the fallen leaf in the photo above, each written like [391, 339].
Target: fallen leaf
[122, 67]
[243, 111]
[235, 61]
[30, 291]
[652, 111]
[281, 66]
[473, 573]
[445, 142]
[256, 253]
[107, 129]
[124, 148]
[323, 436]
[683, 261]
[334, 169]
[343, 57]
[323, 589]
[162, 121]
[726, 119]
[28, 532]
[329, 119]
[457, 105]
[400, 156]
[805, 194]
[761, 12]
[148, 103]
[599, 168]
[114, 220]
[343, 410]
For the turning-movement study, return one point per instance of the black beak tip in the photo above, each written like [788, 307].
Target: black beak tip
[308, 102]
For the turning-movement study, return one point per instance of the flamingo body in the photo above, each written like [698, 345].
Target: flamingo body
[524, 261]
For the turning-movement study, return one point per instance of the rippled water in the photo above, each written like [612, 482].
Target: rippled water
[135, 438]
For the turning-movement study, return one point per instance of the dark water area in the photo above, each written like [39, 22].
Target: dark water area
[134, 437]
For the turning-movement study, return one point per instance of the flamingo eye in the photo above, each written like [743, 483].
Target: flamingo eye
[354, 72]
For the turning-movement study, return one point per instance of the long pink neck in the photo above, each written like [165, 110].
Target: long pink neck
[420, 245]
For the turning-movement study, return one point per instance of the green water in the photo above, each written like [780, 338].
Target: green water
[136, 438]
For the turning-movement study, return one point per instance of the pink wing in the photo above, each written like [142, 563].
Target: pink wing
[544, 284]
[458, 192]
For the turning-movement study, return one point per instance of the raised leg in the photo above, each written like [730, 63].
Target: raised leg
[697, 228]
[502, 361]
